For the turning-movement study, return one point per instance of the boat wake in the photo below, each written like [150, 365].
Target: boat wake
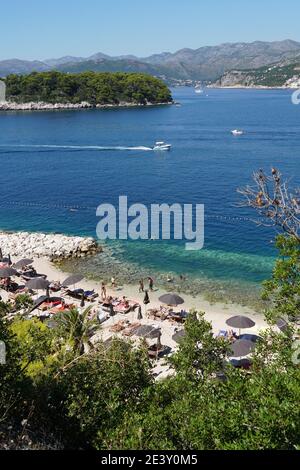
[78, 147]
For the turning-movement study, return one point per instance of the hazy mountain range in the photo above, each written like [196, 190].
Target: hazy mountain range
[206, 63]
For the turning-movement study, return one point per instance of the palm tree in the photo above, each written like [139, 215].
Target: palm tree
[78, 327]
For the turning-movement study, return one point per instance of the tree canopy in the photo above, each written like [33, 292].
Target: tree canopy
[92, 87]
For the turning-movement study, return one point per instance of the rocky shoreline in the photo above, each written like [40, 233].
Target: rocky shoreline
[54, 247]
[43, 106]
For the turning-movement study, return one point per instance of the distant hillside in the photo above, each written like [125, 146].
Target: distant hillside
[277, 75]
[8, 67]
[114, 65]
[203, 64]
[94, 88]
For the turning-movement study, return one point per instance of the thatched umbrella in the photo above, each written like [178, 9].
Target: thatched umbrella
[111, 310]
[147, 331]
[282, 324]
[171, 299]
[22, 263]
[158, 344]
[38, 283]
[146, 300]
[240, 322]
[72, 280]
[7, 272]
[139, 315]
[178, 336]
[241, 348]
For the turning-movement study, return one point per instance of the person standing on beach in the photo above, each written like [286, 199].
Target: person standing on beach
[103, 291]
[151, 283]
[141, 286]
[113, 283]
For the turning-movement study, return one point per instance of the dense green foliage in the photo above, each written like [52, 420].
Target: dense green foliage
[60, 390]
[94, 88]
[283, 289]
[107, 398]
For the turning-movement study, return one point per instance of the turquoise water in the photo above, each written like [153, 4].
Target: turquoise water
[52, 162]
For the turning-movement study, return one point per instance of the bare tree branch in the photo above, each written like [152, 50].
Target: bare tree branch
[273, 201]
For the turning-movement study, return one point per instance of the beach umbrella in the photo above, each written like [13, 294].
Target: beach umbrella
[250, 337]
[240, 322]
[72, 280]
[241, 348]
[158, 344]
[140, 315]
[22, 263]
[171, 299]
[51, 324]
[282, 324]
[38, 283]
[146, 298]
[178, 336]
[111, 310]
[147, 331]
[7, 272]
[43, 298]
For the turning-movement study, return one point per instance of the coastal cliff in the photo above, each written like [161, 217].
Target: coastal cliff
[280, 75]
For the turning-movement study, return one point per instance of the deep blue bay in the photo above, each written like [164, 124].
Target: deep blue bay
[52, 162]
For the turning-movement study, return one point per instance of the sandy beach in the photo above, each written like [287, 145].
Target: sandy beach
[216, 313]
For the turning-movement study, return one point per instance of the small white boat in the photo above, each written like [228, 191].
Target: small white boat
[162, 146]
[237, 132]
[199, 90]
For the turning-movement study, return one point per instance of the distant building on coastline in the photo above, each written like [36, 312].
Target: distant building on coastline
[2, 92]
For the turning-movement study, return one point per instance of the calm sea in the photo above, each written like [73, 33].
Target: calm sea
[51, 162]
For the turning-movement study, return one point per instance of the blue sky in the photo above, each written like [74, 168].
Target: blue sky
[34, 29]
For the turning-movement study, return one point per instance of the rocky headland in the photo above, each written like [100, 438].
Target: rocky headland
[52, 246]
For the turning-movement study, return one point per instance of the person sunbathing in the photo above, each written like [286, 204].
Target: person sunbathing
[55, 286]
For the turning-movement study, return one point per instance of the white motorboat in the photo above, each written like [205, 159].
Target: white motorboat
[162, 146]
[199, 90]
[237, 132]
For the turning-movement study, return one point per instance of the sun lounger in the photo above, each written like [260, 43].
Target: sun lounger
[55, 286]
[27, 276]
[175, 317]
[90, 295]
[222, 334]
[119, 326]
[155, 352]
[102, 317]
[61, 308]
[129, 331]
[78, 294]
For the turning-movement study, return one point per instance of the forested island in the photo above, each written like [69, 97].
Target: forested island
[86, 89]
